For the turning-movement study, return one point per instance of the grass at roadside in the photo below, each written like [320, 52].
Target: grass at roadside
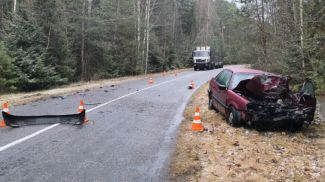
[224, 153]
[23, 98]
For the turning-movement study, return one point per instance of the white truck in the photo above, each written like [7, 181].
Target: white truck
[203, 59]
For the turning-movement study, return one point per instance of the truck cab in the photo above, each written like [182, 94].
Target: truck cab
[202, 58]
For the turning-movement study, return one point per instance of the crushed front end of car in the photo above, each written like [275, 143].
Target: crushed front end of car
[272, 103]
[276, 115]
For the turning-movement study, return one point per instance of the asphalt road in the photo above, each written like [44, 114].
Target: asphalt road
[130, 137]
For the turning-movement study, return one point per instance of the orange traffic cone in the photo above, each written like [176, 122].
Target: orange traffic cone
[197, 125]
[81, 108]
[192, 85]
[150, 81]
[5, 109]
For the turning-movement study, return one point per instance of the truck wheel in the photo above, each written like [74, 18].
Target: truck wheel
[234, 117]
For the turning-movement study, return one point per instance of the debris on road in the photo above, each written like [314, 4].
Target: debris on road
[245, 154]
[19, 121]
[191, 85]
[75, 88]
[57, 97]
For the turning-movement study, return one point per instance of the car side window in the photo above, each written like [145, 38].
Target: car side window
[224, 78]
[219, 76]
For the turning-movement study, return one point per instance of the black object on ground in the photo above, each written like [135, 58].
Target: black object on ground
[19, 121]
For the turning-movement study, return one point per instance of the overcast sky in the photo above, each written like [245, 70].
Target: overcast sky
[237, 4]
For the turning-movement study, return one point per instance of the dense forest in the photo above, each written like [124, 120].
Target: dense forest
[55, 42]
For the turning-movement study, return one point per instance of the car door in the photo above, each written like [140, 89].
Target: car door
[220, 95]
[214, 90]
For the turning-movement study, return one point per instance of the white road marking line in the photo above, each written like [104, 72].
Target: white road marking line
[5, 147]
[16, 142]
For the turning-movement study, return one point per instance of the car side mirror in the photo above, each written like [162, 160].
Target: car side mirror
[222, 87]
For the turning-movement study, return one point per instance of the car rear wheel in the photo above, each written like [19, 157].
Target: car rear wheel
[234, 117]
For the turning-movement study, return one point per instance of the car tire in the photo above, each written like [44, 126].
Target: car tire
[234, 117]
[296, 126]
[210, 103]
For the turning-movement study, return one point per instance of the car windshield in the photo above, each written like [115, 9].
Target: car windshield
[200, 53]
[238, 77]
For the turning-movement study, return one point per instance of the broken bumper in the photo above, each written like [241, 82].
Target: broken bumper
[279, 116]
[19, 121]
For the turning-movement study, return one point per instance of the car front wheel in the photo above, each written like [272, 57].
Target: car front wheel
[210, 104]
[234, 117]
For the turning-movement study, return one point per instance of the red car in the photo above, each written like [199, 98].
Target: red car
[247, 96]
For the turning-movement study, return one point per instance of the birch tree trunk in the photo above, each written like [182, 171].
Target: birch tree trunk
[144, 36]
[174, 21]
[83, 62]
[207, 26]
[261, 28]
[302, 34]
[223, 38]
[89, 6]
[117, 16]
[15, 5]
[138, 28]
[148, 35]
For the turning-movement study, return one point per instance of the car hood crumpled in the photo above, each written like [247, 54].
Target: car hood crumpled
[263, 85]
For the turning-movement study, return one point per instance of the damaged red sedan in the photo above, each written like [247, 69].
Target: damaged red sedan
[253, 97]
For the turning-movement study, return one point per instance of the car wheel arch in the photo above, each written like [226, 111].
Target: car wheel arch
[228, 108]
[232, 109]
[233, 104]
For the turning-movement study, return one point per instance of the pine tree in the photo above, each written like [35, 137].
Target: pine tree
[8, 77]
[25, 42]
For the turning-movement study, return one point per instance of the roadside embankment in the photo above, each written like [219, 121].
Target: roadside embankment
[224, 153]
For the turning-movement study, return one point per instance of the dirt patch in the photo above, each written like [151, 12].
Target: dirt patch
[23, 98]
[224, 153]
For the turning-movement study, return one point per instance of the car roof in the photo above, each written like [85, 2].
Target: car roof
[247, 70]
